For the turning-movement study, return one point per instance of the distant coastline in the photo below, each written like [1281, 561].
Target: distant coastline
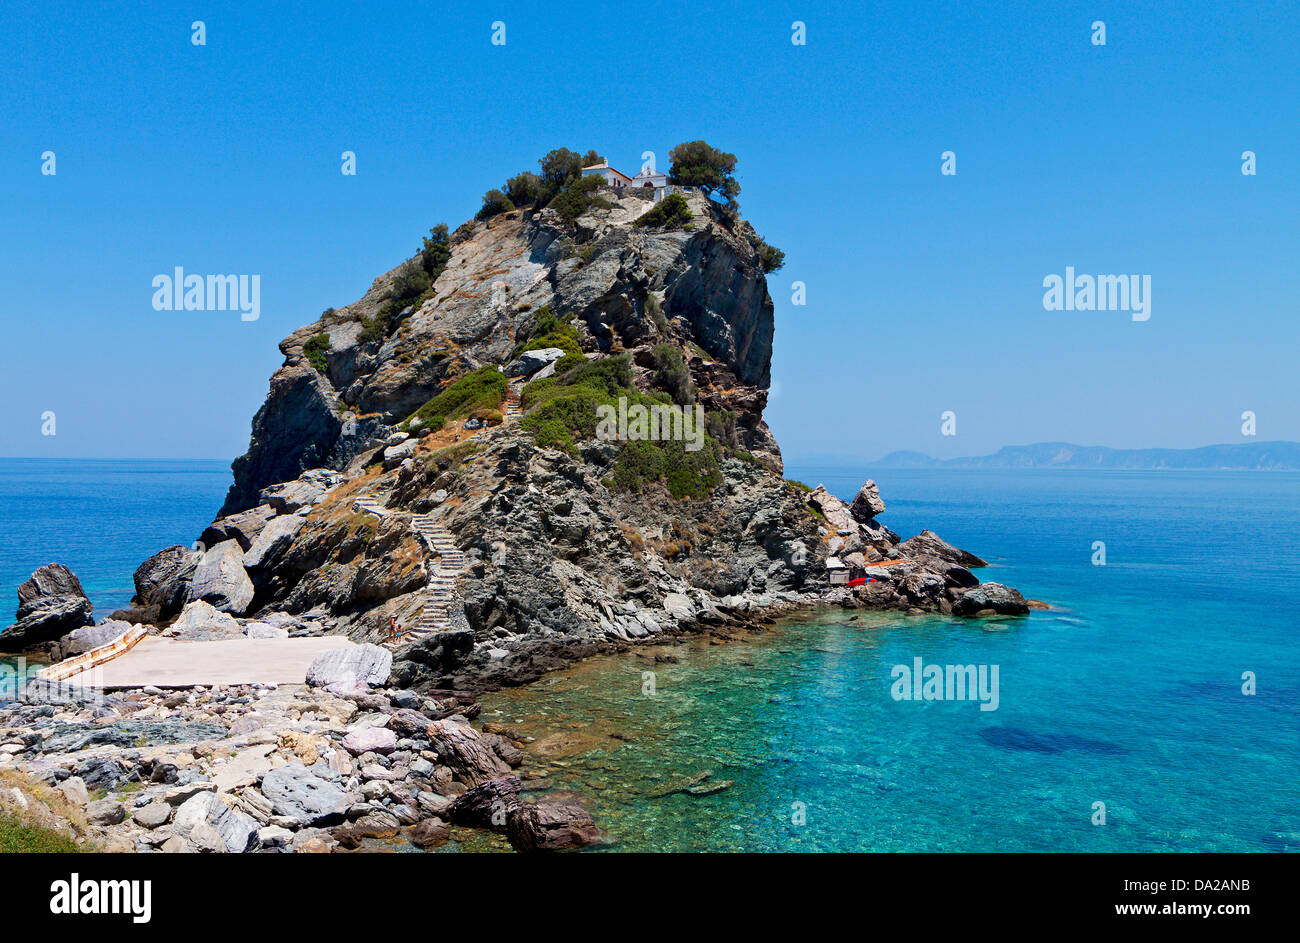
[1251, 456]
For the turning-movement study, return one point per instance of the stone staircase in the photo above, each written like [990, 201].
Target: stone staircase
[440, 589]
[514, 408]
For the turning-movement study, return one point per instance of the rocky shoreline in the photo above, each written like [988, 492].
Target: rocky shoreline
[337, 764]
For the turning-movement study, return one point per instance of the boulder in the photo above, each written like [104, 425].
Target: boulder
[51, 604]
[162, 583]
[203, 622]
[153, 815]
[298, 793]
[834, 510]
[370, 740]
[105, 812]
[44, 620]
[409, 723]
[867, 503]
[679, 606]
[53, 579]
[991, 596]
[75, 791]
[220, 578]
[264, 630]
[430, 833]
[530, 361]
[366, 663]
[468, 753]
[273, 540]
[554, 824]
[209, 824]
[488, 804]
[242, 527]
[305, 491]
[394, 455]
[87, 637]
[929, 544]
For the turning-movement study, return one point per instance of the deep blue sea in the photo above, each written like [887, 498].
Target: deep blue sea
[1128, 692]
[101, 518]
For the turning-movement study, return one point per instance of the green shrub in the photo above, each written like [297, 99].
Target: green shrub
[672, 212]
[551, 330]
[494, 203]
[687, 474]
[372, 329]
[491, 417]
[578, 197]
[656, 312]
[721, 424]
[672, 375]
[526, 189]
[485, 388]
[436, 252]
[314, 350]
[770, 258]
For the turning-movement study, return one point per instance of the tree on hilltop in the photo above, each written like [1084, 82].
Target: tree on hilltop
[697, 164]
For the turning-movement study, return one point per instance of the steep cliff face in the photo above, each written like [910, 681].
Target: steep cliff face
[602, 269]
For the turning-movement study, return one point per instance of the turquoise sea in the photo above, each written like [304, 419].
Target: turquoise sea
[1128, 692]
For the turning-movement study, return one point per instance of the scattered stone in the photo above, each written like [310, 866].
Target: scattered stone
[370, 740]
[430, 833]
[153, 815]
[300, 794]
[211, 825]
[200, 621]
[105, 812]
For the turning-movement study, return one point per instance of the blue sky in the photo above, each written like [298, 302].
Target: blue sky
[924, 291]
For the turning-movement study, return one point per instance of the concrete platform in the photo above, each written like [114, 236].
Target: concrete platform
[168, 663]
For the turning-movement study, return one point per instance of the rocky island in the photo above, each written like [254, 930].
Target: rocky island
[432, 456]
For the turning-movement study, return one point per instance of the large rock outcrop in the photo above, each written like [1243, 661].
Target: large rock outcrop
[51, 603]
[562, 542]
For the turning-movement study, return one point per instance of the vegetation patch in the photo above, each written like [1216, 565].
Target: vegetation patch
[485, 388]
[17, 838]
[579, 197]
[562, 410]
[672, 375]
[451, 456]
[315, 350]
[552, 330]
[671, 212]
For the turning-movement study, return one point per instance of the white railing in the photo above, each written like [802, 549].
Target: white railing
[96, 656]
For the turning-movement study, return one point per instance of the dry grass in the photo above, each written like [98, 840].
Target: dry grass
[42, 827]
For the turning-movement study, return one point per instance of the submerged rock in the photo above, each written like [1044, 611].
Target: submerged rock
[994, 597]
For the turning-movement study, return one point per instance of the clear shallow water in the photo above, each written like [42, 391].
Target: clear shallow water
[1127, 693]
